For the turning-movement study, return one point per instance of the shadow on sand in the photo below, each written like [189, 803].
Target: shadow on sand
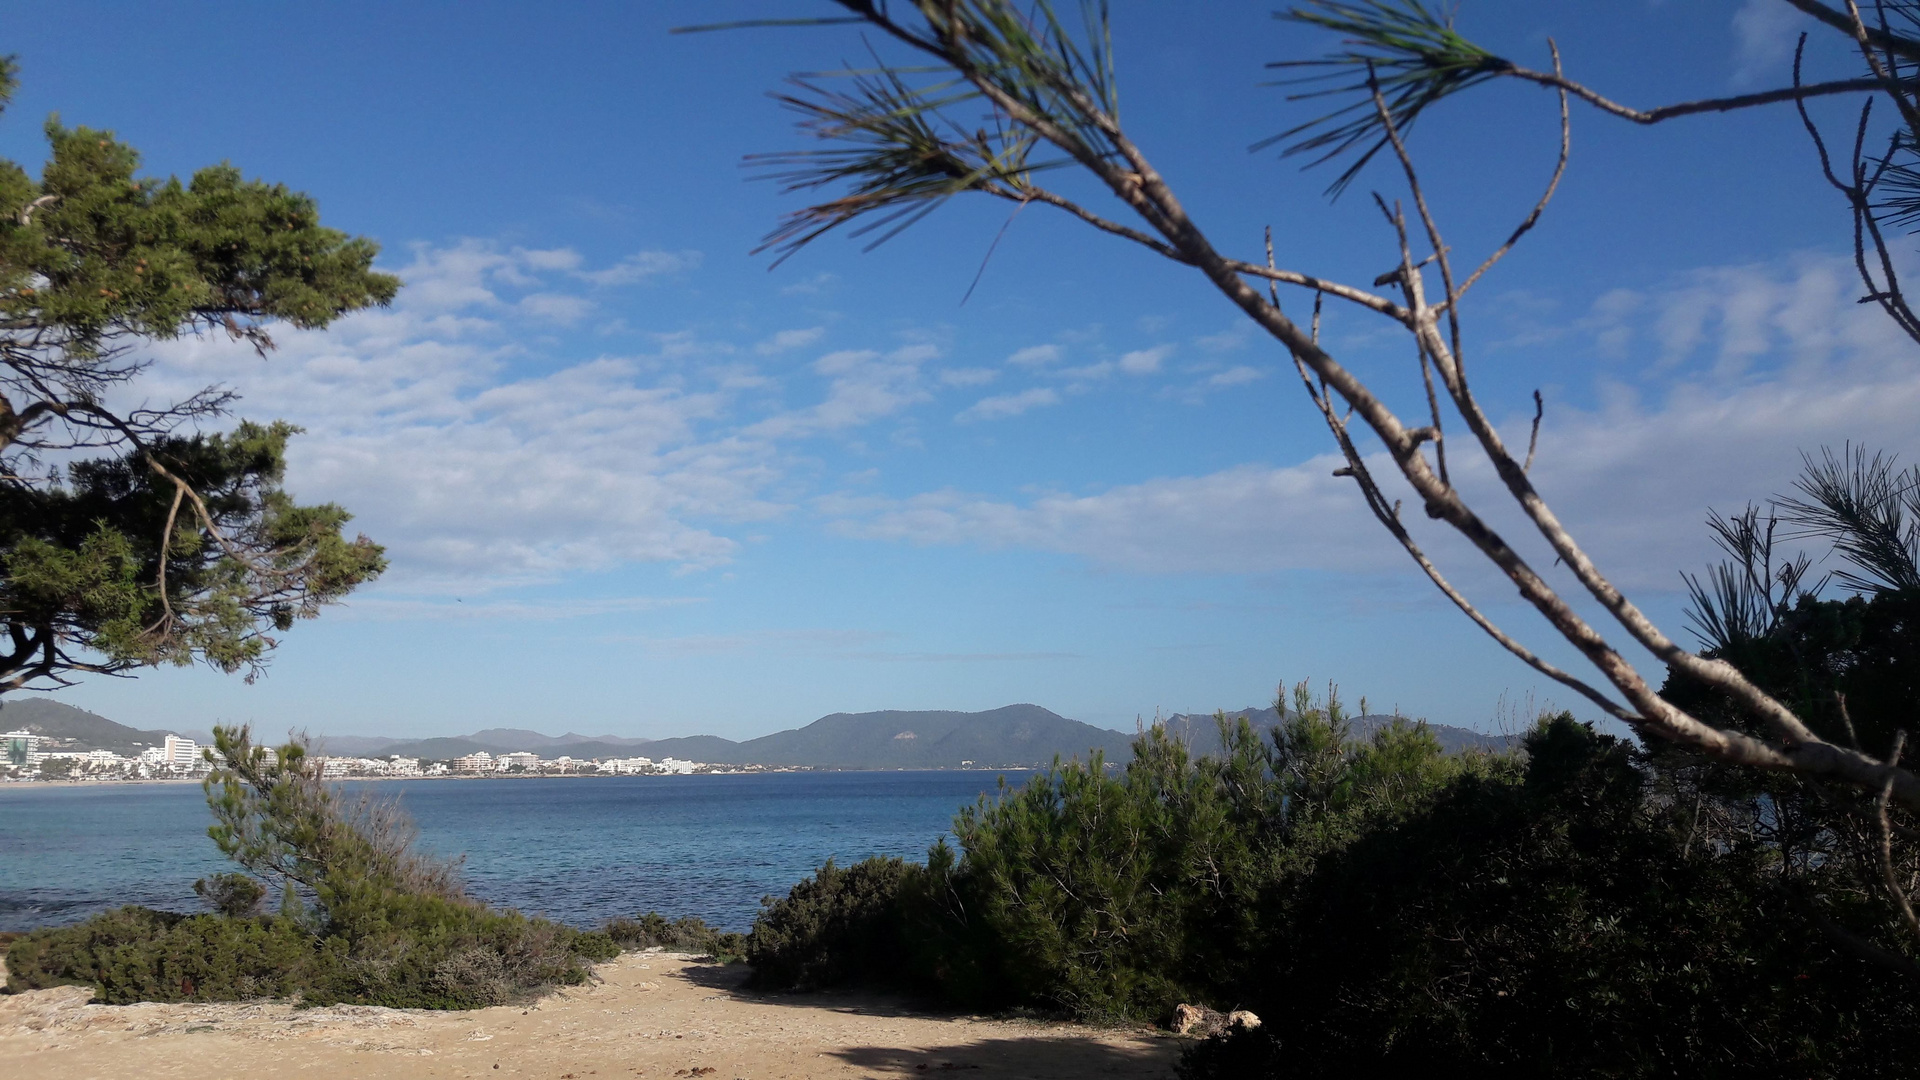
[1062, 1056]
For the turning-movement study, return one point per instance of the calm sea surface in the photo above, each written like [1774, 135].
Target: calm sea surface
[578, 850]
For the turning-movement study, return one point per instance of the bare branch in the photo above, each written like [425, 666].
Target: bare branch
[1894, 889]
[1559, 170]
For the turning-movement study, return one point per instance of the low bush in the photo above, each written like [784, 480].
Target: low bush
[687, 934]
[842, 926]
[137, 954]
[416, 952]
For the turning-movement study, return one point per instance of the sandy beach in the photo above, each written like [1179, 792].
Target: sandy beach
[649, 1015]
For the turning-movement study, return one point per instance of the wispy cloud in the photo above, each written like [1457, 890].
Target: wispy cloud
[641, 266]
[1005, 405]
[1763, 33]
[482, 463]
[790, 339]
[1239, 375]
[1035, 356]
[975, 376]
[1145, 361]
[1759, 363]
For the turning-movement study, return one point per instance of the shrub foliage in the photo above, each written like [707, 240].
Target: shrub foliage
[1385, 908]
[363, 917]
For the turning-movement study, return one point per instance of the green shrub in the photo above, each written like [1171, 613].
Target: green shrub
[1099, 895]
[416, 952]
[364, 918]
[1555, 922]
[137, 954]
[231, 894]
[839, 927]
[1560, 911]
[687, 934]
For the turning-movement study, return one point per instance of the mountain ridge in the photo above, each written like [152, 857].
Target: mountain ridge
[71, 728]
[1021, 734]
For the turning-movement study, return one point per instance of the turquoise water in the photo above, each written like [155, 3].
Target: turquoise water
[577, 850]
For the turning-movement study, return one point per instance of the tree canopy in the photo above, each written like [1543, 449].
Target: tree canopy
[129, 536]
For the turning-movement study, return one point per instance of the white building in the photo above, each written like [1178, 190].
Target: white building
[19, 749]
[472, 763]
[180, 753]
[521, 758]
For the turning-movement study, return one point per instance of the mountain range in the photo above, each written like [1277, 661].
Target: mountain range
[1008, 737]
[1015, 735]
[68, 728]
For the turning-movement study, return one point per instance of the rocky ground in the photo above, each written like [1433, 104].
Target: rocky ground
[649, 1015]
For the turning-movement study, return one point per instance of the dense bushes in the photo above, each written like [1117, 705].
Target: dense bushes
[363, 917]
[837, 927]
[136, 954]
[1553, 922]
[688, 934]
[1387, 910]
[421, 953]
[1100, 895]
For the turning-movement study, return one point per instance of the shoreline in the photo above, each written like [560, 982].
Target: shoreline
[784, 770]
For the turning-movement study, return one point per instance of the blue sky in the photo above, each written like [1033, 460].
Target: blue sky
[633, 482]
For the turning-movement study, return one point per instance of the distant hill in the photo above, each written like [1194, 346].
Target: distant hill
[491, 740]
[1017, 735]
[77, 729]
[1202, 734]
[1013, 735]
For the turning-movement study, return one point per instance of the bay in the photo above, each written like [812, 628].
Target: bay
[578, 850]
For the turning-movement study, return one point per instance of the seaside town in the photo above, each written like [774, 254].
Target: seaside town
[29, 757]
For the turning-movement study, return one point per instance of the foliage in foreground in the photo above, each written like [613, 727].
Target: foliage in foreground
[685, 934]
[170, 546]
[1383, 908]
[363, 917]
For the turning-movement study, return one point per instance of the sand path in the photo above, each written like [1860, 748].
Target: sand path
[652, 1015]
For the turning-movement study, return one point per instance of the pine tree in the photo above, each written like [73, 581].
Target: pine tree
[130, 537]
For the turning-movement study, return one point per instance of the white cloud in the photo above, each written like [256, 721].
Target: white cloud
[1005, 405]
[817, 285]
[1245, 519]
[1145, 361]
[970, 376]
[1239, 375]
[1085, 372]
[865, 385]
[481, 463]
[458, 609]
[640, 266]
[1231, 339]
[1759, 364]
[790, 339]
[556, 307]
[1764, 32]
[551, 259]
[1035, 356]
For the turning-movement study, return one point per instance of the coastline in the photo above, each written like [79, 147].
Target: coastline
[781, 770]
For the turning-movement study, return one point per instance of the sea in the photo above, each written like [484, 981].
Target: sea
[578, 850]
